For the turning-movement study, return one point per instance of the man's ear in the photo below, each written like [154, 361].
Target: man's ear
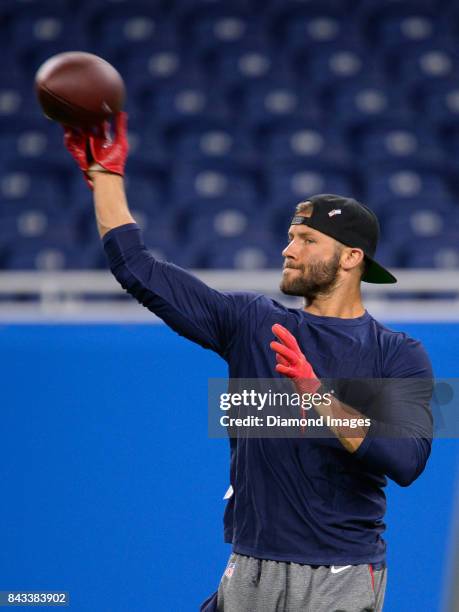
[351, 258]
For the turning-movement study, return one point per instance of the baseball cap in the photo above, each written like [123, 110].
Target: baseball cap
[350, 223]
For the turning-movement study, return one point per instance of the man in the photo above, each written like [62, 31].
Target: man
[305, 516]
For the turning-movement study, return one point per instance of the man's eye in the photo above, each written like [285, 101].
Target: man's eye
[308, 240]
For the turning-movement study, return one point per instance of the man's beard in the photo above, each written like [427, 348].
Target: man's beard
[321, 278]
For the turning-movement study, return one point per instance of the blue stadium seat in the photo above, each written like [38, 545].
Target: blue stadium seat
[293, 183]
[147, 145]
[11, 72]
[247, 256]
[32, 120]
[83, 219]
[312, 24]
[14, 12]
[449, 135]
[136, 30]
[406, 183]
[15, 100]
[57, 170]
[270, 100]
[53, 255]
[389, 210]
[54, 27]
[228, 221]
[157, 227]
[31, 144]
[208, 183]
[414, 26]
[80, 196]
[223, 218]
[389, 254]
[145, 191]
[359, 103]
[156, 65]
[220, 25]
[394, 23]
[182, 100]
[20, 191]
[132, 23]
[278, 216]
[423, 64]
[45, 239]
[210, 139]
[240, 254]
[408, 226]
[314, 30]
[303, 140]
[438, 252]
[36, 225]
[440, 103]
[392, 141]
[247, 63]
[332, 66]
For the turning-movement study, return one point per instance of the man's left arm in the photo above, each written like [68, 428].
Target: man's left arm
[397, 442]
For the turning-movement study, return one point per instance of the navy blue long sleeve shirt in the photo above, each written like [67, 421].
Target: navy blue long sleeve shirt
[303, 500]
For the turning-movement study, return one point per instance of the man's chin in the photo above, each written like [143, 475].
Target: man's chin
[289, 288]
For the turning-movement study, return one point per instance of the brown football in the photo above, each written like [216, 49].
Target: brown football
[79, 89]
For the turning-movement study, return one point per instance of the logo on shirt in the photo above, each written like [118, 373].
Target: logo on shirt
[337, 570]
[230, 570]
[335, 211]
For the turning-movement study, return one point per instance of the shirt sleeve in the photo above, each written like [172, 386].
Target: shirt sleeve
[191, 308]
[399, 440]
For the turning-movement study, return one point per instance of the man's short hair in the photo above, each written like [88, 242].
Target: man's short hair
[304, 208]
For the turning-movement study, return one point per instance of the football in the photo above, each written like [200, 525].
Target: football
[79, 89]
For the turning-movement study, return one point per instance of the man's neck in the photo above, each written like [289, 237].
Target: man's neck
[341, 307]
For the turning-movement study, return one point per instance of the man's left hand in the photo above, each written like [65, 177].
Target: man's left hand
[291, 361]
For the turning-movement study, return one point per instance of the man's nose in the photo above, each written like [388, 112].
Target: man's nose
[289, 251]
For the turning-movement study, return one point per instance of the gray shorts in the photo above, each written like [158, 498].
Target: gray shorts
[257, 585]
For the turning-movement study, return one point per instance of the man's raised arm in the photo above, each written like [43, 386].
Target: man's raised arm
[102, 159]
[185, 303]
[110, 202]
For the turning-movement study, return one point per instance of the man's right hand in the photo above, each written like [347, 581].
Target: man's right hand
[96, 151]
[76, 141]
[109, 154]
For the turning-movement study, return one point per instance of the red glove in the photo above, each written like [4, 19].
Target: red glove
[75, 141]
[105, 154]
[111, 154]
[292, 363]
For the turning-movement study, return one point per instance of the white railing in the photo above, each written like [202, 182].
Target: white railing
[64, 295]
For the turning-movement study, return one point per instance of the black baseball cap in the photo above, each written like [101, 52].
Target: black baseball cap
[350, 223]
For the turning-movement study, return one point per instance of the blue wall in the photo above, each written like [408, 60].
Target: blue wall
[112, 490]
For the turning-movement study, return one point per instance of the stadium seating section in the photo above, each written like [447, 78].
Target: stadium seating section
[237, 111]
